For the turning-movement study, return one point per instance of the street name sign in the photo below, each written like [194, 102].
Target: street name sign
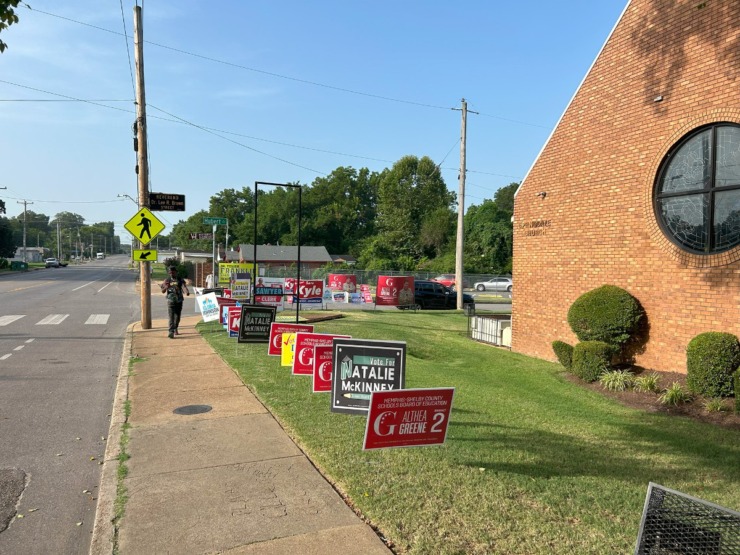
[215, 221]
[144, 255]
[166, 201]
[144, 226]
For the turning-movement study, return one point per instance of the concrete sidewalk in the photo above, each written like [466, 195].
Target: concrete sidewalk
[228, 480]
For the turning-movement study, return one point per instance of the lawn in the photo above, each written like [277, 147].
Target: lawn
[533, 463]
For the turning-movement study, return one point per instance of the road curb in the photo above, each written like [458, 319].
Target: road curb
[103, 529]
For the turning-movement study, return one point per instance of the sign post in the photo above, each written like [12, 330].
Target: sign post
[215, 222]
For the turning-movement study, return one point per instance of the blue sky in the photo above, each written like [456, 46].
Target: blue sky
[290, 91]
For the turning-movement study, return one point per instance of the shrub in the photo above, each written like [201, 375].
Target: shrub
[4, 263]
[564, 352]
[717, 404]
[608, 313]
[591, 359]
[737, 391]
[675, 395]
[711, 359]
[617, 380]
[647, 384]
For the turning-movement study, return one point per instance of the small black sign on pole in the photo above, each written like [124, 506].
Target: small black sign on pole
[166, 201]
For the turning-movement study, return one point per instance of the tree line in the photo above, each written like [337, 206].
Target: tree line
[77, 238]
[402, 218]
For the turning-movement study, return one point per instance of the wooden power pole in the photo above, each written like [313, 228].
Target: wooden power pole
[461, 210]
[142, 164]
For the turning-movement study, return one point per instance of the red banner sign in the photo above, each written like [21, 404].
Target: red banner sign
[408, 418]
[234, 317]
[304, 350]
[322, 368]
[309, 291]
[395, 291]
[343, 282]
[277, 329]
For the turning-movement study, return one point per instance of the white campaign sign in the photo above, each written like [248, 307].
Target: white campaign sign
[208, 306]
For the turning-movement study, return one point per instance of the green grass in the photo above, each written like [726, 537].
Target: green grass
[533, 463]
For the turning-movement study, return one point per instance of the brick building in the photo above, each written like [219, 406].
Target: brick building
[639, 185]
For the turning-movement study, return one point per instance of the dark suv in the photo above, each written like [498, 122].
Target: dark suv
[432, 294]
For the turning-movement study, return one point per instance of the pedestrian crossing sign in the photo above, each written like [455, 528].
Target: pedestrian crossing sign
[144, 226]
[145, 255]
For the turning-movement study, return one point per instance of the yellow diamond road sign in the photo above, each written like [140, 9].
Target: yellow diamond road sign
[144, 226]
[144, 255]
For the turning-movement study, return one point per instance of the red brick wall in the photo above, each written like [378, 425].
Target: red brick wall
[596, 224]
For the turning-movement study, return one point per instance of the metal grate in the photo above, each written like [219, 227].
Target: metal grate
[674, 523]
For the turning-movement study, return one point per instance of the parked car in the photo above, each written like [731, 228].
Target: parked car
[100, 256]
[52, 263]
[448, 280]
[432, 294]
[494, 284]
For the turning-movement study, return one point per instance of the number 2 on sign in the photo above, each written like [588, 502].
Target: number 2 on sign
[438, 418]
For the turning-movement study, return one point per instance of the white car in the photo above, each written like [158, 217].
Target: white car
[495, 284]
[52, 263]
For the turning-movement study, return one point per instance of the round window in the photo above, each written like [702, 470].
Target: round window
[697, 193]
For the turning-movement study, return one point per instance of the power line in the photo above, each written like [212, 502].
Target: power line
[128, 52]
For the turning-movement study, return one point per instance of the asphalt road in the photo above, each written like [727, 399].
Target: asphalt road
[61, 337]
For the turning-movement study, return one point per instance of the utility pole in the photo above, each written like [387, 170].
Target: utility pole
[59, 242]
[25, 204]
[142, 163]
[461, 210]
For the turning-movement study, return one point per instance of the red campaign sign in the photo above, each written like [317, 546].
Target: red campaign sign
[322, 368]
[277, 329]
[343, 282]
[395, 291]
[310, 290]
[235, 313]
[364, 287]
[408, 418]
[304, 347]
[367, 296]
[224, 307]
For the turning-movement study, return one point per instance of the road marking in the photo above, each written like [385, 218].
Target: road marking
[98, 319]
[6, 356]
[30, 340]
[85, 285]
[52, 320]
[19, 347]
[5, 320]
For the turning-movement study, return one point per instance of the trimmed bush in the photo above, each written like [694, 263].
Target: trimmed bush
[564, 352]
[737, 392]
[591, 359]
[608, 313]
[711, 359]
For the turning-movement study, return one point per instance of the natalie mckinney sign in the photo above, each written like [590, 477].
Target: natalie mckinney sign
[361, 366]
[395, 291]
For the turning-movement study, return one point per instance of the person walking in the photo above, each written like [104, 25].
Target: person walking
[173, 287]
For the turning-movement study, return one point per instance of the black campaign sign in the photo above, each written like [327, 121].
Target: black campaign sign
[254, 323]
[165, 201]
[361, 366]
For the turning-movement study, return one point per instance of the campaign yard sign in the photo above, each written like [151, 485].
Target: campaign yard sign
[322, 368]
[241, 284]
[395, 291]
[277, 329]
[269, 292]
[234, 314]
[208, 306]
[361, 366]
[287, 349]
[408, 418]
[310, 291]
[255, 322]
[342, 282]
[305, 343]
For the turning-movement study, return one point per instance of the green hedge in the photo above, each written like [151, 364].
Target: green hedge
[564, 352]
[711, 359]
[591, 359]
[608, 313]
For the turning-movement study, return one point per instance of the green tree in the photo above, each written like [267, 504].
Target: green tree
[411, 196]
[7, 17]
[7, 244]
